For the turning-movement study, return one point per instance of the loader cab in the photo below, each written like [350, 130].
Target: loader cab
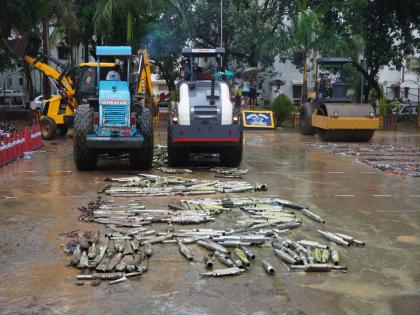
[334, 75]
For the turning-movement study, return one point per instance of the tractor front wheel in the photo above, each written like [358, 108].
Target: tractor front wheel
[142, 158]
[84, 158]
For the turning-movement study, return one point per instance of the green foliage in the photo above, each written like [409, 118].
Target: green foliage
[282, 107]
[385, 107]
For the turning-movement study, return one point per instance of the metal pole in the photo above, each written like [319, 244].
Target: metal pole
[221, 23]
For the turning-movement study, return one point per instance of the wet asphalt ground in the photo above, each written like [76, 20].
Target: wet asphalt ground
[39, 199]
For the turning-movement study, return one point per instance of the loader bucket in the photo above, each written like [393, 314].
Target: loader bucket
[25, 44]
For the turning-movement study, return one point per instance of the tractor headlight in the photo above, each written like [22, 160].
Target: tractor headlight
[335, 114]
[371, 115]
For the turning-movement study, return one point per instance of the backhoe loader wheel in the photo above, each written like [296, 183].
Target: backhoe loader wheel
[305, 118]
[232, 156]
[62, 130]
[141, 159]
[176, 156]
[84, 158]
[48, 128]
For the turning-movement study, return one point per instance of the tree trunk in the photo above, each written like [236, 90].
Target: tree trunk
[130, 28]
[370, 79]
[29, 82]
[305, 79]
[86, 51]
[45, 37]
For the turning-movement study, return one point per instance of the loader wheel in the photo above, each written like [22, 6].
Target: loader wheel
[62, 130]
[176, 156]
[306, 128]
[232, 156]
[141, 159]
[84, 158]
[48, 128]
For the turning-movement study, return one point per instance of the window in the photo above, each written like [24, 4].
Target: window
[63, 52]
[297, 91]
[20, 81]
[406, 92]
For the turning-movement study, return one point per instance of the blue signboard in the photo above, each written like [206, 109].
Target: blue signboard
[258, 118]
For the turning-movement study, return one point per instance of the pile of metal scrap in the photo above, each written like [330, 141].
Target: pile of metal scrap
[160, 155]
[153, 185]
[121, 252]
[396, 159]
[227, 172]
[6, 128]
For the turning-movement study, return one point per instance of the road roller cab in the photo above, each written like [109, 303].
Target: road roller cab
[331, 110]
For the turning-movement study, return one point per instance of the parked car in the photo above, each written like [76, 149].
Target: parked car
[37, 103]
[406, 111]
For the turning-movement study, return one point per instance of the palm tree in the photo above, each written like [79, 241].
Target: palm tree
[135, 12]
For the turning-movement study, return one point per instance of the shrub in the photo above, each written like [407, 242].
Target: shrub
[385, 107]
[282, 107]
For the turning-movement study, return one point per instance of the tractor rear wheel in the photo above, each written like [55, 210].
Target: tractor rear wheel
[84, 158]
[305, 118]
[48, 128]
[142, 159]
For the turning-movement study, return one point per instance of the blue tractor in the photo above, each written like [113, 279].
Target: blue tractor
[117, 120]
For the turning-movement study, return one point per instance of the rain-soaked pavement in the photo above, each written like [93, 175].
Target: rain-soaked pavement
[39, 199]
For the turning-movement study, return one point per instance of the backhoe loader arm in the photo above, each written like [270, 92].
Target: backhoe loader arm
[143, 73]
[63, 83]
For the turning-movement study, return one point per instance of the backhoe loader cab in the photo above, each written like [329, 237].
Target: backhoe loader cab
[331, 110]
[111, 123]
[204, 119]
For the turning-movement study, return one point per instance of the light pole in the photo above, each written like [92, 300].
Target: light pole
[221, 23]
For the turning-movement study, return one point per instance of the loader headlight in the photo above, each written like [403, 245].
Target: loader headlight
[371, 115]
[335, 114]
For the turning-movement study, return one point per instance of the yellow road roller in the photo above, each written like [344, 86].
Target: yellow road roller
[331, 110]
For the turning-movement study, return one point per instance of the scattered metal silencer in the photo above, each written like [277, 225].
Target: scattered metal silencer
[317, 255]
[122, 279]
[102, 276]
[325, 255]
[209, 244]
[234, 243]
[334, 238]
[93, 263]
[311, 244]
[222, 272]
[185, 251]
[249, 253]
[310, 255]
[312, 216]
[84, 260]
[224, 259]
[334, 253]
[102, 265]
[242, 256]
[267, 267]
[157, 239]
[317, 267]
[289, 225]
[350, 239]
[283, 256]
[143, 266]
[114, 262]
[289, 204]
[148, 249]
[208, 261]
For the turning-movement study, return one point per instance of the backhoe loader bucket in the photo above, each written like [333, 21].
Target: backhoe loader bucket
[27, 44]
